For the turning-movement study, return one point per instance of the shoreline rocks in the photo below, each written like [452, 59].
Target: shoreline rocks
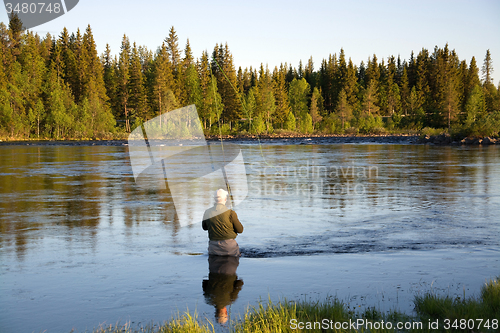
[446, 139]
[441, 140]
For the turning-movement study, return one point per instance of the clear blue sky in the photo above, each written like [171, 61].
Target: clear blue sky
[272, 32]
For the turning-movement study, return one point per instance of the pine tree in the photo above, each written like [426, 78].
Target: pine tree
[15, 112]
[328, 82]
[371, 96]
[370, 99]
[172, 43]
[393, 97]
[33, 66]
[281, 96]
[137, 100]
[123, 78]
[350, 86]
[487, 69]
[341, 77]
[251, 110]
[343, 109]
[224, 71]
[16, 30]
[60, 107]
[93, 86]
[472, 78]
[309, 73]
[205, 86]
[162, 82]
[423, 91]
[314, 109]
[213, 102]
[109, 66]
[192, 86]
[188, 56]
[405, 91]
[446, 86]
[488, 86]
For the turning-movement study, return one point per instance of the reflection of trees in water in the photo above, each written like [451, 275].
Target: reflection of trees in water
[348, 175]
[70, 191]
[73, 190]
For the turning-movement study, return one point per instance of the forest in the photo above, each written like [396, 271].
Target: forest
[61, 88]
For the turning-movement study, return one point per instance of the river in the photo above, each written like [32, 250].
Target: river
[82, 245]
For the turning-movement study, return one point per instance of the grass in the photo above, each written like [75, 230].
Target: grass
[287, 316]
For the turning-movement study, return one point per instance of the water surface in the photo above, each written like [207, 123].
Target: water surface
[82, 245]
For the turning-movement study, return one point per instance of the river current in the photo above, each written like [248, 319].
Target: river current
[82, 245]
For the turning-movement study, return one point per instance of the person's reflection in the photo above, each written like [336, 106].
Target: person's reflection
[222, 287]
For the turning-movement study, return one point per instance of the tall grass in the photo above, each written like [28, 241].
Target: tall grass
[486, 307]
[269, 317]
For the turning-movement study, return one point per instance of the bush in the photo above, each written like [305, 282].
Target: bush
[290, 122]
[367, 124]
[433, 131]
[306, 125]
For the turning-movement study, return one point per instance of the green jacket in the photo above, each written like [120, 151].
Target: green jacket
[221, 223]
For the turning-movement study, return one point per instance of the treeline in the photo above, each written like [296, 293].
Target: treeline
[59, 87]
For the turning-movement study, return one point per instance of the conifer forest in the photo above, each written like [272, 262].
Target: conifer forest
[59, 87]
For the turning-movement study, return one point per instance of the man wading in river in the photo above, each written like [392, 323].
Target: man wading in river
[223, 226]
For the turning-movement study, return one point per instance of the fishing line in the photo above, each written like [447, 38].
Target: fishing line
[243, 104]
[221, 142]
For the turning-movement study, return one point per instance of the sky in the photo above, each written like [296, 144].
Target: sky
[274, 31]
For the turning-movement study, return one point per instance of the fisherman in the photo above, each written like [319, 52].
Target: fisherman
[223, 226]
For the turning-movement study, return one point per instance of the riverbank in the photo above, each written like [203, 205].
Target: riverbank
[433, 313]
[441, 139]
[446, 139]
[286, 139]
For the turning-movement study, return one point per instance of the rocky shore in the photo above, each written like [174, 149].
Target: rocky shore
[442, 139]
[446, 139]
[267, 139]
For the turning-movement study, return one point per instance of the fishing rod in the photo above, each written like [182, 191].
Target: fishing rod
[243, 105]
[220, 136]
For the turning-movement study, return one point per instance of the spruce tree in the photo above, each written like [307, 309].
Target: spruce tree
[110, 80]
[123, 78]
[487, 69]
[488, 86]
[343, 109]
[162, 82]
[137, 98]
[224, 71]
[370, 99]
[266, 103]
[281, 96]
[16, 31]
[172, 43]
[405, 91]
[192, 86]
[350, 85]
[314, 109]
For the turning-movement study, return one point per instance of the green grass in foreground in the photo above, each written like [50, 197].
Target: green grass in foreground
[285, 316]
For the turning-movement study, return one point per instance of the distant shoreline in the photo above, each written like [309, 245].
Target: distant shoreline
[288, 139]
[441, 140]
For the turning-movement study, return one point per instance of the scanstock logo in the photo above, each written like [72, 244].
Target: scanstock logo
[33, 13]
[171, 150]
